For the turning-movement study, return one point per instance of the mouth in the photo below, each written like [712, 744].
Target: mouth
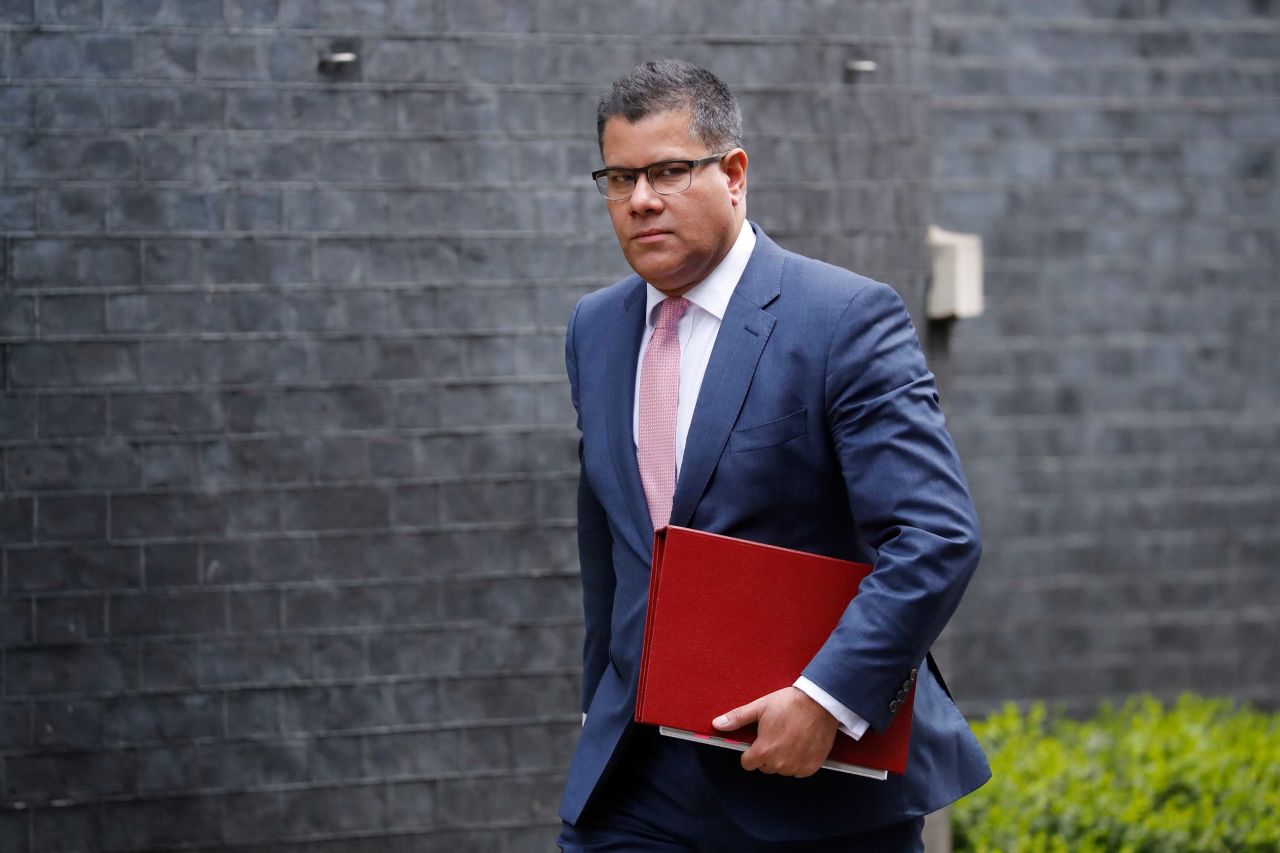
[650, 236]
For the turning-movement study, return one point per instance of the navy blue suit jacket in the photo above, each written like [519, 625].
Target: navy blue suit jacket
[817, 428]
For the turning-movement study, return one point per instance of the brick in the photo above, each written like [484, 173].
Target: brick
[168, 770]
[148, 414]
[235, 765]
[17, 421]
[70, 620]
[252, 712]
[231, 58]
[260, 661]
[140, 614]
[64, 828]
[161, 821]
[16, 621]
[106, 465]
[327, 14]
[73, 568]
[169, 465]
[73, 364]
[151, 515]
[326, 709]
[338, 508]
[46, 55]
[68, 670]
[410, 804]
[140, 719]
[173, 13]
[499, 600]
[68, 776]
[71, 518]
[74, 262]
[316, 811]
[255, 261]
[73, 210]
[171, 665]
[477, 698]
[338, 656]
[253, 612]
[157, 210]
[167, 55]
[67, 724]
[18, 11]
[252, 13]
[337, 607]
[249, 817]
[413, 754]
[336, 759]
[17, 316]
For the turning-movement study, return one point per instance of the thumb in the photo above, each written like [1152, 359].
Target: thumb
[739, 717]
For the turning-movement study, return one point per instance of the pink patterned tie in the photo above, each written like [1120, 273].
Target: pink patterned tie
[659, 397]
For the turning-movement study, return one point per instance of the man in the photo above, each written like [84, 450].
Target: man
[735, 387]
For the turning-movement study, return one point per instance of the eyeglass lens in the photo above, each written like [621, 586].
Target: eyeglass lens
[665, 178]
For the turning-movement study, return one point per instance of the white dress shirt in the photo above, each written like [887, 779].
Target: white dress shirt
[697, 331]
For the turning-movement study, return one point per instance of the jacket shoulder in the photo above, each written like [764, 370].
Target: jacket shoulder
[606, 300]
[832, 288]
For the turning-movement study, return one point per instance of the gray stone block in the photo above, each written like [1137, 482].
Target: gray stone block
[167, 55]
[140, 614]
[161, 821]
[72, 518]
[68, 670]
[317, 811]
[68, 621]
[263, 661]
[171, 13]
[73, 568]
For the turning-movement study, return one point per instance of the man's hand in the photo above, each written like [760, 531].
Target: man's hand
[795, 733]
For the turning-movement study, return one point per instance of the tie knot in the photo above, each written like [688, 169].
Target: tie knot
[670, 312]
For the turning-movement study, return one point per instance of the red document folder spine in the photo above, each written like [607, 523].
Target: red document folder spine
[731, 620]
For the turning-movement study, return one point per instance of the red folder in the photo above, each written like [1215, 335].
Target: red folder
[730, 621]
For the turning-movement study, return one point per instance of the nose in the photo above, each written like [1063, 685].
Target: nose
[643, 196]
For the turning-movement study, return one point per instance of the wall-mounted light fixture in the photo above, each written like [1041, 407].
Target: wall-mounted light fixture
[341, 60]
[856, 69]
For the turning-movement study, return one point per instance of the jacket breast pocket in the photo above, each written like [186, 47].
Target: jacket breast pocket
[769, 434]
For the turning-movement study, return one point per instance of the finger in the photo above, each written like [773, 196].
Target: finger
[752, 759]
[739, 717]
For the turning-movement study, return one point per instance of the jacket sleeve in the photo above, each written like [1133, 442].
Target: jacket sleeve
[908, 498]
[595, 552]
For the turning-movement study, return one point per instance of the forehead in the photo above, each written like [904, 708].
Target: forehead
[659, 136]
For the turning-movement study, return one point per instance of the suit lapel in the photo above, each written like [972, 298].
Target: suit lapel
[742, 337]
[623, 354]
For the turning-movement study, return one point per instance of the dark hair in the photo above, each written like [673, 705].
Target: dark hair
[660, 85]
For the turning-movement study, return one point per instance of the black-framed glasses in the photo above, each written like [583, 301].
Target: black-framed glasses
[667, 177]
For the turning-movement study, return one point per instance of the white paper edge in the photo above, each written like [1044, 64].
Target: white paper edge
[740, 746]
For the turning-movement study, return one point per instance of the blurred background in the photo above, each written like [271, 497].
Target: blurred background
[288, 454]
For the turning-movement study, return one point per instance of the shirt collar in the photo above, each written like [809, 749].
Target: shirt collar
[713, 292]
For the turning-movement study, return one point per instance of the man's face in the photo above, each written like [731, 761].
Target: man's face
[674, 241]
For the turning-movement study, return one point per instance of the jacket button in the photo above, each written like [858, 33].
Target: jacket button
[894, 706]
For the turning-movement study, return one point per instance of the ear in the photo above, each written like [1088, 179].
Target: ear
[735, 169]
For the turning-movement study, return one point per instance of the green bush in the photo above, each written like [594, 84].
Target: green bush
[1202, 775]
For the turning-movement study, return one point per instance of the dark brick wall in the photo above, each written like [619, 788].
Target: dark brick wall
[1118, 406]
[287, 451]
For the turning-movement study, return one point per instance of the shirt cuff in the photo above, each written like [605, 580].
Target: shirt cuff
[584, 718]
[850, 723]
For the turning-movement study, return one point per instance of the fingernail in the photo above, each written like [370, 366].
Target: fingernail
[720, 722]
